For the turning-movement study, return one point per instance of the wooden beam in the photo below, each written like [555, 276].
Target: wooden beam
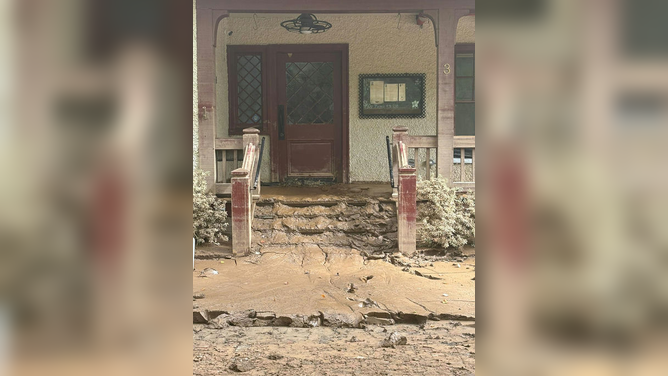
[464, 142]
[229, 144]
[329, 6]
[420, 141]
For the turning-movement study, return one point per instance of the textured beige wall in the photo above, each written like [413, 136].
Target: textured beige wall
[466, 30]
[378, 43]
[195, 118]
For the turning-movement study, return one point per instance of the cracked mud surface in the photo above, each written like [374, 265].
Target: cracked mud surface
[315, 280]
[319, 310]
[440, 348]
[324, 288]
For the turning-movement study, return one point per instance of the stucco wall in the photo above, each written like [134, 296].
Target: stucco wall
[378, 43]
[466, 30]
[195, 118]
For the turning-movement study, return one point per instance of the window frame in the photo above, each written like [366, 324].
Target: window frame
[462, 48]
[233, 51]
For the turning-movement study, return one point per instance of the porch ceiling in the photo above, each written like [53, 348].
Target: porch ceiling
[324, 6]
[465, 26]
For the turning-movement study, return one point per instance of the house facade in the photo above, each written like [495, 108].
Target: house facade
[305, 92]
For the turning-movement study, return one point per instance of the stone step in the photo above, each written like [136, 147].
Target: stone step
[264, 201]
[342, 211]
[364, 224]
[372, 225]
[366, 241]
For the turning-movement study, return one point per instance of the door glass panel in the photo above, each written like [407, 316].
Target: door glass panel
[464, 65]
[249, 89]
[464, 89]
[464, 119]
[310, 92]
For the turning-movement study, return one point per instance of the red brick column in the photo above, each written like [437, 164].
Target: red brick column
[241, 212]
[407, 211]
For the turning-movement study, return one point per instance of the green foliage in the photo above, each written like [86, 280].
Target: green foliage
[209, 213]
[446, 219]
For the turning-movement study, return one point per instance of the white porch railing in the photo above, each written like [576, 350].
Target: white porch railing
[421, 154]
[463, 168]
[229, 156]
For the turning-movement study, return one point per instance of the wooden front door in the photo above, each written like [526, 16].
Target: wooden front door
[309, 114]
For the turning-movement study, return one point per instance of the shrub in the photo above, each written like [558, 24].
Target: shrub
[209, 213]
[446, 218]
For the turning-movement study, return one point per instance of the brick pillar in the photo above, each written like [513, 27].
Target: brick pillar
[398, 134]
[241, 212]
[407, 211]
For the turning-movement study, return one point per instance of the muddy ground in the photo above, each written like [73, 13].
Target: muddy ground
[292, 312]
[307, 301]
[309, 280]
[436, 348]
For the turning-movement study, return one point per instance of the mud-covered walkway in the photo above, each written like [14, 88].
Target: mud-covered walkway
[312, 285]
[437, 348]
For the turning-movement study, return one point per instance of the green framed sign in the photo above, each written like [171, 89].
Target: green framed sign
[392, 95]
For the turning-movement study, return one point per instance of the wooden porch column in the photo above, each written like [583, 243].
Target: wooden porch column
[252, 136]
[398, 134]
[407, 211]
[447, 29]
[207, 19]
[241, 212]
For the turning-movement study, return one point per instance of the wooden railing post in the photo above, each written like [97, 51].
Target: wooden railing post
[241, 212]
[252, 136]
[398, 134]
[407, 210]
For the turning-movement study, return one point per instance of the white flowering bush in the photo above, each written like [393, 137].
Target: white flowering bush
[445, 218]
[209, 213]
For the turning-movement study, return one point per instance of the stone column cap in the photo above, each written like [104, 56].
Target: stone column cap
[240, 172]
[251, 131]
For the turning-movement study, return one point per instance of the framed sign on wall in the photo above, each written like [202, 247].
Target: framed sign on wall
[392, 95]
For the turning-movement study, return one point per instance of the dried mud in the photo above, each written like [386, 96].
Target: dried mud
[437, 348]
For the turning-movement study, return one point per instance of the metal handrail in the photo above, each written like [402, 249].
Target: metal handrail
[389, 160]
[259, 165]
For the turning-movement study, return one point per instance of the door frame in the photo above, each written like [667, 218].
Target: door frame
[272, 102]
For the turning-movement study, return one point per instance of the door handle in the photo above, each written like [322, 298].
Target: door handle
[281, 123]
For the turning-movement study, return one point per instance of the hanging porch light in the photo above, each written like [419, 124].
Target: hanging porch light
[306, 23]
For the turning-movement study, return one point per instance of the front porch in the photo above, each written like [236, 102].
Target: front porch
[277, 107]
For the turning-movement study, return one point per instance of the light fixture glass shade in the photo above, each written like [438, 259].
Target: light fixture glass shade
[306, 23]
